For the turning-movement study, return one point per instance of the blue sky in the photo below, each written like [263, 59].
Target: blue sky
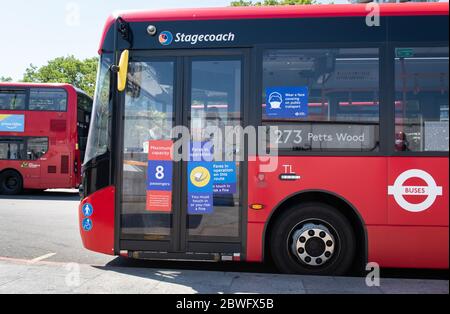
[36, 31]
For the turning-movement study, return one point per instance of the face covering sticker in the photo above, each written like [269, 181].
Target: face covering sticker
[287, 102]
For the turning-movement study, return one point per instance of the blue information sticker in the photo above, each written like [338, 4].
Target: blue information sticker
[287, 102]
[201, 151]
[200, 188]
[225, 177]
[88, 210]
[87, 224]
[200, 203]
[159, 176]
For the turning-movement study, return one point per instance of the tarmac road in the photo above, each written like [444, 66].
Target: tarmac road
[44, 227]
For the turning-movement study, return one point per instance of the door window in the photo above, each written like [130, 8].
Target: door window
[216, 104]
[421, 107]
[149, 116]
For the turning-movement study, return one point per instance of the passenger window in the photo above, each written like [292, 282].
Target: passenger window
[12, 99]
[421, 104]
[36, 147]
[47, 99]
[322, 99]
[11, 149]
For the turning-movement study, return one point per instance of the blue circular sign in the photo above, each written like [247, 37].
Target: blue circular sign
[87, 224]
[88, 210]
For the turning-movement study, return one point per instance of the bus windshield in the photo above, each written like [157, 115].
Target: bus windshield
[97, 144]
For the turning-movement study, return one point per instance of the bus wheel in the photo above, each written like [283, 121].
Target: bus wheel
[11, 183]
[313, 239]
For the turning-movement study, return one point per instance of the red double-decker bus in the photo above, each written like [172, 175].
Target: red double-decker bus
[353, 99]
[43, 135]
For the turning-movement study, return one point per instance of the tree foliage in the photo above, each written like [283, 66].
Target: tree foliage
[5, 79]
[245, 3]
[79, 73]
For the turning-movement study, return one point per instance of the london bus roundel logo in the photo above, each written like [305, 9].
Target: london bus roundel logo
[165, 38]
[399, 190]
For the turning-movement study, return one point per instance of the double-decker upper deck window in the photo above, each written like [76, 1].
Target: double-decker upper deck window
[323, 99]
[12, 99]
[421, 107]
[48, 99]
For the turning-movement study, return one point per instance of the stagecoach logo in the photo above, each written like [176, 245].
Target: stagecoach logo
[29, 165]
[165, 38]
[399, 191]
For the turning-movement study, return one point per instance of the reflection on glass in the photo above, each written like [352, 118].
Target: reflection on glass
[99, 130]
[215, 104]
[421, 107]
[343, 110]
[46, 99]
[149, 107]
[12, 99]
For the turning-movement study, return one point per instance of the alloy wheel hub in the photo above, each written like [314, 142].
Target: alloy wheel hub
[313, 244]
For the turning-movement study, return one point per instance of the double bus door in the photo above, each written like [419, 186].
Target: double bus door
[197, 204]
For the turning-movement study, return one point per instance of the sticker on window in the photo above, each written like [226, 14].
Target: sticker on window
[287, 102]
[200, 188]
[159, 176]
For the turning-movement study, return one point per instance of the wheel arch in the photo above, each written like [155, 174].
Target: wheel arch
[11, 169]
[332, 199]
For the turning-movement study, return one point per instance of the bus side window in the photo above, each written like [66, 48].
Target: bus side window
[48, 99]
[12, 99]
[11, 148]
[335, 94]
[421, 105]
[37, 147]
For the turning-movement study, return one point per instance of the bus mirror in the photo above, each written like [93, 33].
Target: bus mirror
[123, 71]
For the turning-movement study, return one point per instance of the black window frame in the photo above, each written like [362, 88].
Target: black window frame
[390, 63]
[24, 139]
[258, 59]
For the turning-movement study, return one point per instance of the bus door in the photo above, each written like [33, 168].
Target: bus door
[196, 204]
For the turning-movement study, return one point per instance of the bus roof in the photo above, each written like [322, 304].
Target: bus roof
[36, 85]
[275, 12]
[42, 85]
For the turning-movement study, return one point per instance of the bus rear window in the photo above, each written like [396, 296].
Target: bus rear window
[12, 99]
[45, 99]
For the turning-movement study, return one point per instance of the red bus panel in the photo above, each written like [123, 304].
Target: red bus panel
[99, 236]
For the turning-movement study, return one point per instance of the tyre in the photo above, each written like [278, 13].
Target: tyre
[313, 239]
[11, 183]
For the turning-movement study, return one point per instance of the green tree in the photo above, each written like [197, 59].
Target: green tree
[244, 3]
[79, 73]
[5, 79]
